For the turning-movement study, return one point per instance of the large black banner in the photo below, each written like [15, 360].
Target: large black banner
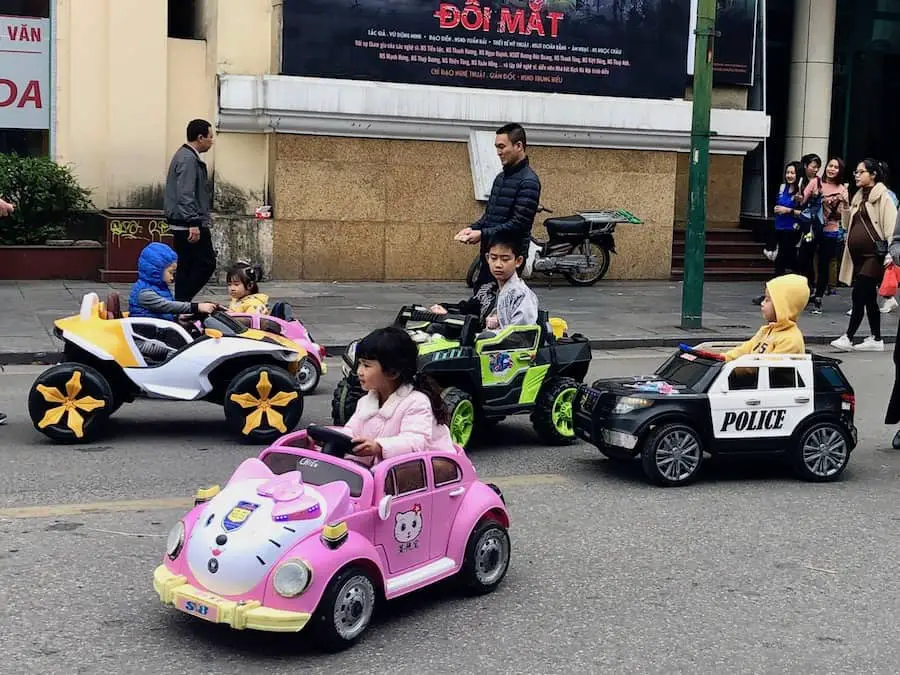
[736, 22]
[733, 56]
[631, 48]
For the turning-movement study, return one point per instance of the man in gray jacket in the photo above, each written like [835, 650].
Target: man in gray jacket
[187, 206]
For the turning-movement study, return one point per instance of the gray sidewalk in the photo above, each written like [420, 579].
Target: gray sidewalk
[613, 314]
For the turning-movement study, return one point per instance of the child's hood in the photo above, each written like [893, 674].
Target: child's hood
[790, 295]
[153, 261]
[259, 297]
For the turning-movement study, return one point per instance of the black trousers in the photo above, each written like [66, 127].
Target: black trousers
[196, 264]
[787, 251]
[892, 416]
[865, 301]
[817, 270]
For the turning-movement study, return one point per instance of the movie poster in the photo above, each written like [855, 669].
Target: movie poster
[623, 48]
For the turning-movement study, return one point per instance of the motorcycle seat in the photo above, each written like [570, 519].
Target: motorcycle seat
[566, 225]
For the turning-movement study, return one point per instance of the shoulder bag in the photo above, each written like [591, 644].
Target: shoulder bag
[881, 245]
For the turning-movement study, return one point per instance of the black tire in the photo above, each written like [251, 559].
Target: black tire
[50, 394]
[488, 553]
[603, 259]
[352, 589]
[460, 408]
[344, 400]
[821, 453]
[553, 394]
[308, 376]
[473, 272]
[689, 458]
[246, 384]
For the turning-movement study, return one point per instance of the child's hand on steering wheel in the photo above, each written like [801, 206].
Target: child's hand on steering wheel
[366, 447]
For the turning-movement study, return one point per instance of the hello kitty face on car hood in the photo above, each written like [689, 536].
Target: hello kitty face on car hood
[249, 526]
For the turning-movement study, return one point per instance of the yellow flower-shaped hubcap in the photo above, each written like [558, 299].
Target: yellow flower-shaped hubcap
[264, 406]
[68, 404]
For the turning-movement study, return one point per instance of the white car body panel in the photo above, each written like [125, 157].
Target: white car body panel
[765, 411]
[186, 377]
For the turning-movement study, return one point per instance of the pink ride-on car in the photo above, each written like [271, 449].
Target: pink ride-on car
[282, 322]
[301, 537]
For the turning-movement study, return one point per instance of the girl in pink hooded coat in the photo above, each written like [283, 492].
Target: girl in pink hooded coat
[403, 410]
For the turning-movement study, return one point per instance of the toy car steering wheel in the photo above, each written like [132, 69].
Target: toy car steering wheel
[332, 442]
[715, 356]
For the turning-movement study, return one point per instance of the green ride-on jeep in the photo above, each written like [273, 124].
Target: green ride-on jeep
[489, 376]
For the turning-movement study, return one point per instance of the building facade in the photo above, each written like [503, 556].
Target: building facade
[368, 127]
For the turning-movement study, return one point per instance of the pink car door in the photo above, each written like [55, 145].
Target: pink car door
[446, 498]
[406, 534]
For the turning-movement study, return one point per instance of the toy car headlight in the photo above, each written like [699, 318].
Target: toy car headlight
[627, 404]
[292, 578]
[175, 542]
[350, 354]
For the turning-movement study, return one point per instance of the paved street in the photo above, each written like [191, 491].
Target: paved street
[747, 571]
[613, 314]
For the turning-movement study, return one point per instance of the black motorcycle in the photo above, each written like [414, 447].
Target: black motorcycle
[578, 247]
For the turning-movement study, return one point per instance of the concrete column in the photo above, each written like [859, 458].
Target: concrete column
[812, 74]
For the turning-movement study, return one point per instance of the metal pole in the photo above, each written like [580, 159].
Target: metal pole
[695, 234]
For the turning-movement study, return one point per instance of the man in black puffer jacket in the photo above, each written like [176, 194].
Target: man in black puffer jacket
[514, 199]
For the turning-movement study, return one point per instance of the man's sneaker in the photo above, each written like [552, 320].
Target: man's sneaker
[842, 343]
[816, 307]
[888, 305]
[2, 418]
[870, 344]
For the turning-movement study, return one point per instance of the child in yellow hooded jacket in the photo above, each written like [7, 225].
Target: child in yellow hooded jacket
[243, 280]
[786, 297]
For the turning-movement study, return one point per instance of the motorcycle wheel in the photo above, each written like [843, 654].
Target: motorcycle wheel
[590, 276]
[474, 271]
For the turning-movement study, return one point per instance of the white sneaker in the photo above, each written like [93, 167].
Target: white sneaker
[769, 254]
[889, 305]
[870, 345]
[843, 344]
[850, 312]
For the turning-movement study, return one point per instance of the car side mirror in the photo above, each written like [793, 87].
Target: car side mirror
[384, 507]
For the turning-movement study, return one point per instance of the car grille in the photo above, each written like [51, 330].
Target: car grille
[592, 400]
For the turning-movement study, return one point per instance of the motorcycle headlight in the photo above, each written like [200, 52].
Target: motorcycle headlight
[175, 542]
[292, 578]
[627, 404]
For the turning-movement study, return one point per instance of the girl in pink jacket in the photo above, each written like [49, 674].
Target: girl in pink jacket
[403, 410]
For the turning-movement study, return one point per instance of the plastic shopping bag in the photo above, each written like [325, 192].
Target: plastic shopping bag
[889, 282]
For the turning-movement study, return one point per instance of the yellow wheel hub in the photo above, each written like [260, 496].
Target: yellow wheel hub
[68, 404]
[264, 405]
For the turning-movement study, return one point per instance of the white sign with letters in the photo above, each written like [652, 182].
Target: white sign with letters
[24, 73]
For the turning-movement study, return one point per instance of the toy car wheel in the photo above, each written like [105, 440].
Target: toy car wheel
[263, 403]
[344, 400]
[487, 557]
[552, 416]
[308, 376]
[461, 409]
[822, 452]
[70, 403]
[672, 455]
[345, 610]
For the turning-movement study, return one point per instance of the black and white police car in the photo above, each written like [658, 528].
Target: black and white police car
[800, 406]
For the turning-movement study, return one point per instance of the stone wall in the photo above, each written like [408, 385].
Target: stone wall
[723, 197]
[368, 209]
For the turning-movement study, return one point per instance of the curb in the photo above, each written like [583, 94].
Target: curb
[50, 358]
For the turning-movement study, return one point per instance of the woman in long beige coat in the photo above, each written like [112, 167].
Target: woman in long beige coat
[870, 225]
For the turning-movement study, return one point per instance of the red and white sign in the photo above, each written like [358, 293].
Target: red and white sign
[24, 73]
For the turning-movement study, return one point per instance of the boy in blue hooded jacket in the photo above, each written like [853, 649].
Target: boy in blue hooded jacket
[150, 294]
